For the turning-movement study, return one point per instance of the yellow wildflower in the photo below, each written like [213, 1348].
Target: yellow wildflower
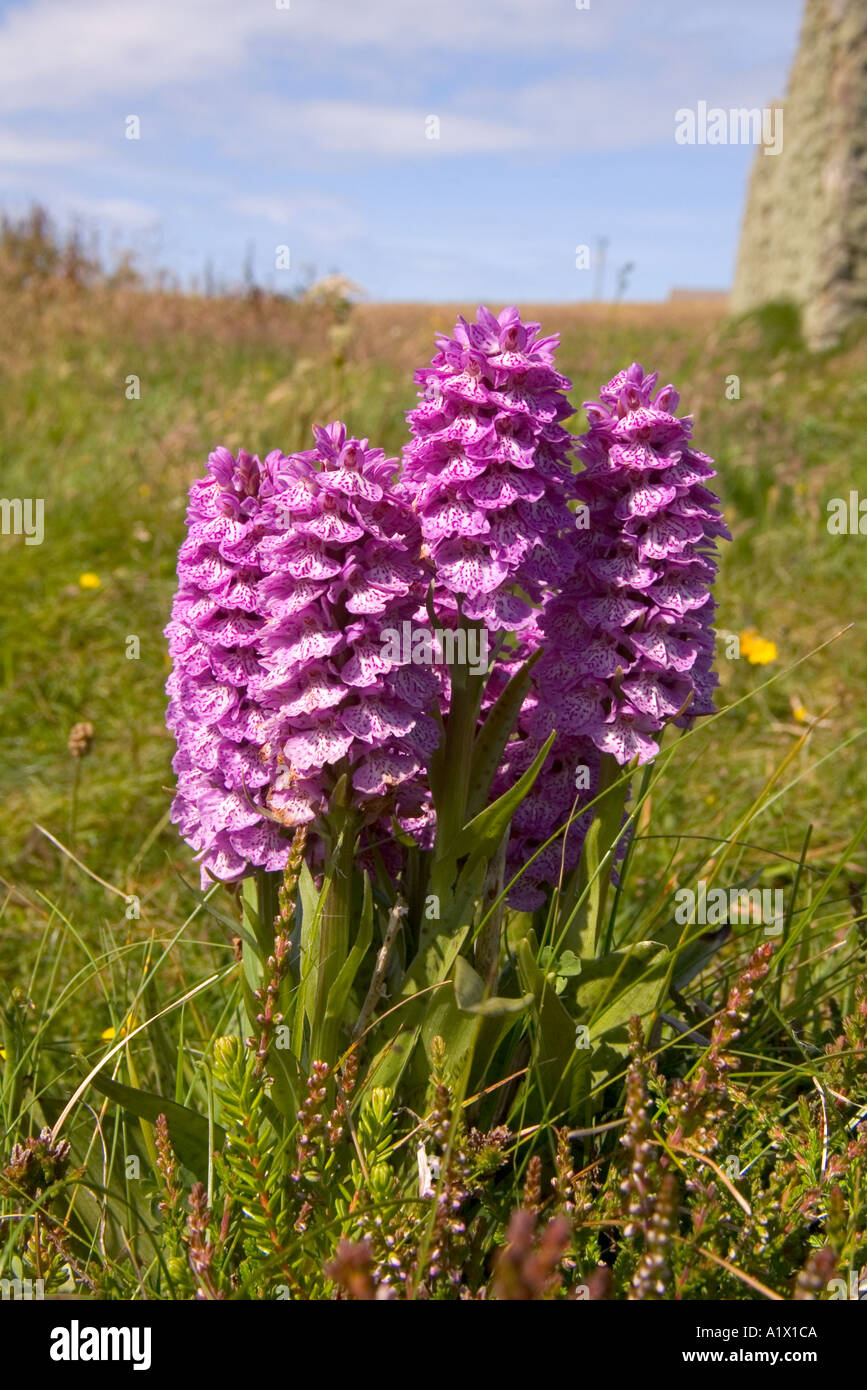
[109, 1033]
[89, 580]
[757, 650]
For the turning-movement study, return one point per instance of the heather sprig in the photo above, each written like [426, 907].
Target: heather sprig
[167, 1166]
[698, 1102]
[652, 1277]
[35, 1165]
[200, 1246]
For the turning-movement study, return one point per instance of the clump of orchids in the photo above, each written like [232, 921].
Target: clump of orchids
[432, 818]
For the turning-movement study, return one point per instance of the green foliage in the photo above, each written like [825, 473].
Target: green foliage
[412, 1138]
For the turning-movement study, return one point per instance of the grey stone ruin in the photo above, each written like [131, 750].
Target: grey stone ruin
[804, 235]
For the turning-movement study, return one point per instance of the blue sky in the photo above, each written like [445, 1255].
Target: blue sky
[306, 126]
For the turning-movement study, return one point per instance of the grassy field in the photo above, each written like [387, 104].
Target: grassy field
[114, 473]
[112, 398]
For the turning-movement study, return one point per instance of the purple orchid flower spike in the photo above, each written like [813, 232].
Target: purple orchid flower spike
[638, 604]
[216, 624]
[628, 640]
[292, 575]
[488, 471]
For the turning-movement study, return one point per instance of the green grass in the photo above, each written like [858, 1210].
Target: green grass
[114, 474]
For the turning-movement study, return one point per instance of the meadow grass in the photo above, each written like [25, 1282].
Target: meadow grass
[773, 790]
[114, 474]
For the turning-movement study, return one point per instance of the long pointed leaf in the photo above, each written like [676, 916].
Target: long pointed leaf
[494, 734]
[188, 1129]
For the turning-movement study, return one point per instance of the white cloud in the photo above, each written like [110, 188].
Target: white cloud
[632, 109]
[354, 127]
[334, 221]
[611, 78]
[18, 148]
[126, 214]
[58, 56]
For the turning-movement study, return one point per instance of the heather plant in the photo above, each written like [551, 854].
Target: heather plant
[337, 1203]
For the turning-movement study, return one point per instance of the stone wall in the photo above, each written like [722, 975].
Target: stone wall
[804, 234]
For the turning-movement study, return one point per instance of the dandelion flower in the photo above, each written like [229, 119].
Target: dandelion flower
[757, 650]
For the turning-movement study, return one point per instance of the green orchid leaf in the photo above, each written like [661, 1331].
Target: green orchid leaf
[494, 734]
[559, 1071]
[610, 990]
[188, 1130]
[622, 983]
[481, 836]
[470, 994]
[339, 993]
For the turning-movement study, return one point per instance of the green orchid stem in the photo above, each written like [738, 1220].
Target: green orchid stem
[268, 896]
[259, 903]
[457, 757]
[460, 736]
[586, 894]
[646, 774]
[334, 933]
[434, 956]
[611, 819]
